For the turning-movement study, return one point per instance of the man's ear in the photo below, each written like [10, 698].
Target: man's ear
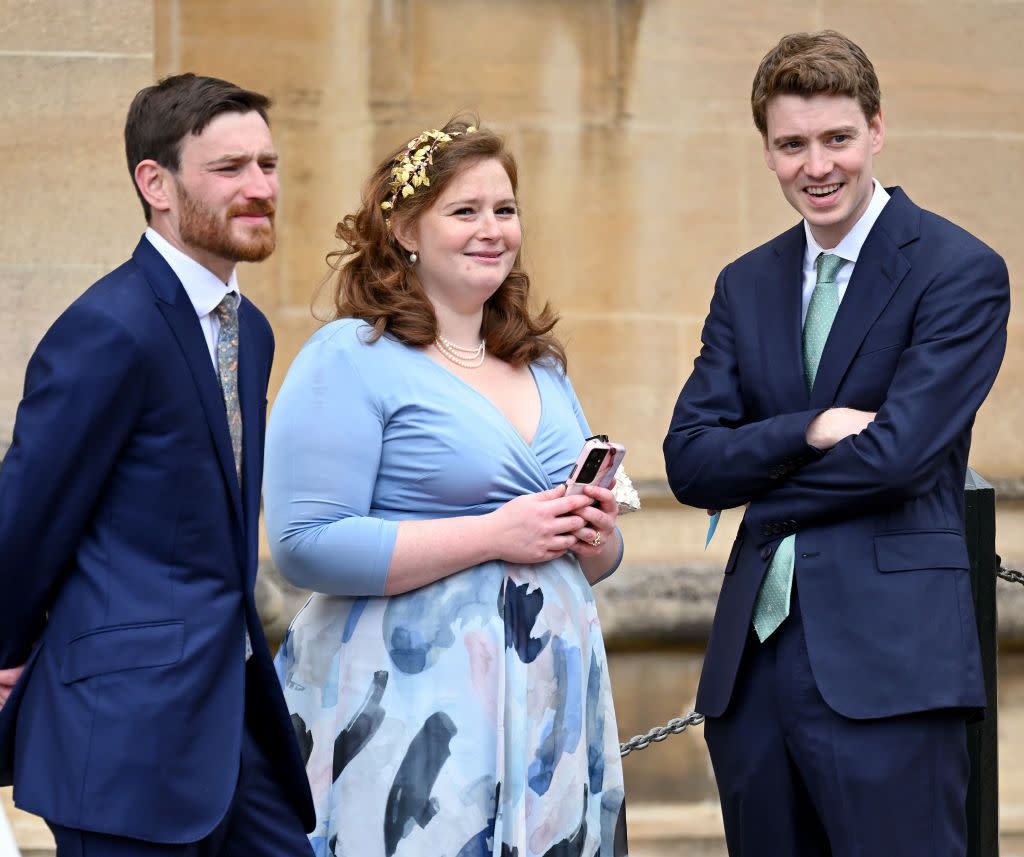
[876, 128]
[405, 234]
[155, 184]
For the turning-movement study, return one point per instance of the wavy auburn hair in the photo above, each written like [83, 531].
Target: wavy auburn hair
[375, 281]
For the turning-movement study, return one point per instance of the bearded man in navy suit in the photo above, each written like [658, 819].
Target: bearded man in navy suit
[841, 368]
[148, 719]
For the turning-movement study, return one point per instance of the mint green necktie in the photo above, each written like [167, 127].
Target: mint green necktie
[772, 605]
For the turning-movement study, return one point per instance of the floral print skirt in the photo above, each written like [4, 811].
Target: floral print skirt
[470, 718]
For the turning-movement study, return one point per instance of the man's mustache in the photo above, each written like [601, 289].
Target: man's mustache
[253, 209]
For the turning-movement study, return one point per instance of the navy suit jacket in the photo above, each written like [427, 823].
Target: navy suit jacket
[128, 558]
[881, 561]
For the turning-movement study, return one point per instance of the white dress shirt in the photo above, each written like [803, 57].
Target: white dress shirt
[849, 248]
[204, 288]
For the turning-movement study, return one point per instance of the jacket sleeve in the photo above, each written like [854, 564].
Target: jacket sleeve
[941, 380]
[715, 458]
[83, 392]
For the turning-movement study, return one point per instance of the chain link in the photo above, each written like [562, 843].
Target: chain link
[680, 724]
[1011, 575]
[660, 733]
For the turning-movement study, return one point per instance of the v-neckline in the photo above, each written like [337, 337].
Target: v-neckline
[490, 402]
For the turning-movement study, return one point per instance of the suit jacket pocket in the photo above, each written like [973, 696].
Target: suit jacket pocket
[124, 647]
[920, 549]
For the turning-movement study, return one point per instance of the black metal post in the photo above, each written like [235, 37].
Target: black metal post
[983, 789]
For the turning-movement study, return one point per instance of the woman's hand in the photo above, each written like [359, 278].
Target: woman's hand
[598, 531]
[538, 527]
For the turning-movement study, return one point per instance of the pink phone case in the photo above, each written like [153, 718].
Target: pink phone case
[584, 472]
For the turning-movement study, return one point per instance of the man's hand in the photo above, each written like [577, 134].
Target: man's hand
[831, 426]
[8, 678]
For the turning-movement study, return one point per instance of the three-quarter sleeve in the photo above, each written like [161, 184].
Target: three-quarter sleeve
[322, 456]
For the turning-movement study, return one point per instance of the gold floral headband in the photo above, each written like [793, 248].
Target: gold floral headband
[409, 169]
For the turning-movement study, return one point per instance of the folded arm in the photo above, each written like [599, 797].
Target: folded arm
[940, 382]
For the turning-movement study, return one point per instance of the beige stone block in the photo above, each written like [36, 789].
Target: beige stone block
[510, 61]
[623, 223]
[691, 65]
[62, 160]
[311, 56]
[69, 89]
[1011, 742]
[664, 532]
[997, 450]
[955, 65]
[101, 26]
[975, 181]
[1010, 532]
[323, 168]
[649, 689]
[74, 196]
[624, 373]
[32, 297]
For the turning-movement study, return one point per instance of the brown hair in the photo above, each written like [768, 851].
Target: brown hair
[162, 115]
[807, 64]
[376, 282]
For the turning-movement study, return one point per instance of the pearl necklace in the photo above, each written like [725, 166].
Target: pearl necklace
[467, 358]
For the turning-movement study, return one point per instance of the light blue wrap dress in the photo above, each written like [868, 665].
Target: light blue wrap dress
[470, 717]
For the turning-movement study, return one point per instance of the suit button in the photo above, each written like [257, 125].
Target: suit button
[766, 552]
[766, 529]
[776, 529]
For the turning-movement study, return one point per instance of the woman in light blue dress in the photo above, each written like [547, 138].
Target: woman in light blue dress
[448, 681]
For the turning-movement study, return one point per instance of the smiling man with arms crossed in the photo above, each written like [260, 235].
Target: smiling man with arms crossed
[148, 720]
[841, 369]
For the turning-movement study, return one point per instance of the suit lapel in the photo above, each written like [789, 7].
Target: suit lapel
[181, 316]
[880, 268]
[250, 396]
[779, 311]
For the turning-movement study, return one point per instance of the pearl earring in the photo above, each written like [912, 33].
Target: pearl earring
[412, 258]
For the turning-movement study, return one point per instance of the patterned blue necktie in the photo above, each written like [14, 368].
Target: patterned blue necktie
[227, 372]
[772, 605]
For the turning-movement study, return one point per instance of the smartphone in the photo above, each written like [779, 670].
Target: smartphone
[597, 464]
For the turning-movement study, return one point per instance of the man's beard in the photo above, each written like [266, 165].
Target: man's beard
[200, 227]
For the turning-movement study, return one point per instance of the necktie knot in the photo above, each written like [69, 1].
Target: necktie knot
[227, 310]
[828, 265]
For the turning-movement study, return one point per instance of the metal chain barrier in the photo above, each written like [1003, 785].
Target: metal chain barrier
[660, 733]
[680, 724]
[1010, 574]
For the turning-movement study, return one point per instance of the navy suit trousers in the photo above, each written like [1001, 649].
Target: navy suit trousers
[797, 779]
[260, 822]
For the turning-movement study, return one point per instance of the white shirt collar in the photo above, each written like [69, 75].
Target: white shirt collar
[849, 248]
[204, 288]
